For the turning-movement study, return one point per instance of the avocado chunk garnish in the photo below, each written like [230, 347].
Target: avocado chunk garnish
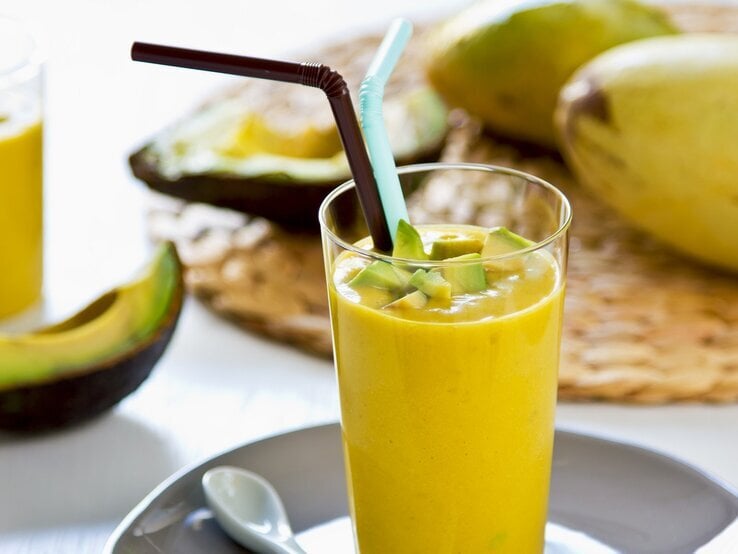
[501, 241]
[414, 300]
[444, 248]
[431, 283]
[465, 277]
[408, 243]
[460, 274]
[381, 275]
[404, 276]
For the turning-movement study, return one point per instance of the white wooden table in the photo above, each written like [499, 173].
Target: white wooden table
[216, 387]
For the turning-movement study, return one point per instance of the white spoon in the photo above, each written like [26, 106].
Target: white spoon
[249, 510]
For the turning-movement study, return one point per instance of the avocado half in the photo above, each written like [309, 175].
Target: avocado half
[76, 369]
[272, 149]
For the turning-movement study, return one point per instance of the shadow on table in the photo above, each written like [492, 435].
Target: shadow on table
[90, 473]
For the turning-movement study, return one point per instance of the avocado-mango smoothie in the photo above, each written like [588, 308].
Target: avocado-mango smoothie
[20, 214]
[447, 374]
[20, 168]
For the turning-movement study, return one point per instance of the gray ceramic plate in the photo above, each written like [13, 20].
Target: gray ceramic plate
[620, 497]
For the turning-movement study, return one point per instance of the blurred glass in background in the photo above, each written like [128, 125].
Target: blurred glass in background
[21, 168]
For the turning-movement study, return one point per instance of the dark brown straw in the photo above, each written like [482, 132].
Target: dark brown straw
[309, 74]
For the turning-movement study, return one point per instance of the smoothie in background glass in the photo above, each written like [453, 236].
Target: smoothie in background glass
[21, 204]
[447, 402]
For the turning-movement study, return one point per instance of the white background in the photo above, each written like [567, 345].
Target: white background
[217, 386]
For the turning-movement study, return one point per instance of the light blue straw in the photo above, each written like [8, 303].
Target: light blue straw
[372, 122]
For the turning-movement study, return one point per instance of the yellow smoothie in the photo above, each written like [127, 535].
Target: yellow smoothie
[447, 410]
[20, 214]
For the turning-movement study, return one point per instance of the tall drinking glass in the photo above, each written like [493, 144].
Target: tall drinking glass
[20, 168]
[447, 406]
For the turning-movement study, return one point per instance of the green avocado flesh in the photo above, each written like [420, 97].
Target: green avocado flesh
[408, 243]
[452, 247]
[468, 277]
[431, 283]
[448, 280]
[229, 140]
[414, 300]
[229, 155]
[273, 150]
[501, 241]
[437, 284]
[381, 275]
[121, 321]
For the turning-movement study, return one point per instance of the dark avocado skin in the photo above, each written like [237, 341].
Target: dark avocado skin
[80, 396]
[293, 205]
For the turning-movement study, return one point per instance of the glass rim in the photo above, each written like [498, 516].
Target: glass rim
[29, 66]
[417, 168]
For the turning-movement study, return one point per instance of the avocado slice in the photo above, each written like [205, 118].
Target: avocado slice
[501, 241]
[465, 278]
[381, 275]
[455, 246]
[431, 283]
[408, 243]
[414, 300]
[272, 150]
[82, 366]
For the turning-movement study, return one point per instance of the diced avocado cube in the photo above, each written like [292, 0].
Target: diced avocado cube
[465, 277]
[431, 284]
[501, 241]
[408, 243]
[380, 275]
[452, 247]
[375, 298]
[403, 275]
[415, 300]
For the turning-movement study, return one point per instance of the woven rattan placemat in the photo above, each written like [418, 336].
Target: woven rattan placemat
[642, 325]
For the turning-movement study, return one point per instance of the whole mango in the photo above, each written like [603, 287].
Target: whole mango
[505, 60]
[651, 127]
